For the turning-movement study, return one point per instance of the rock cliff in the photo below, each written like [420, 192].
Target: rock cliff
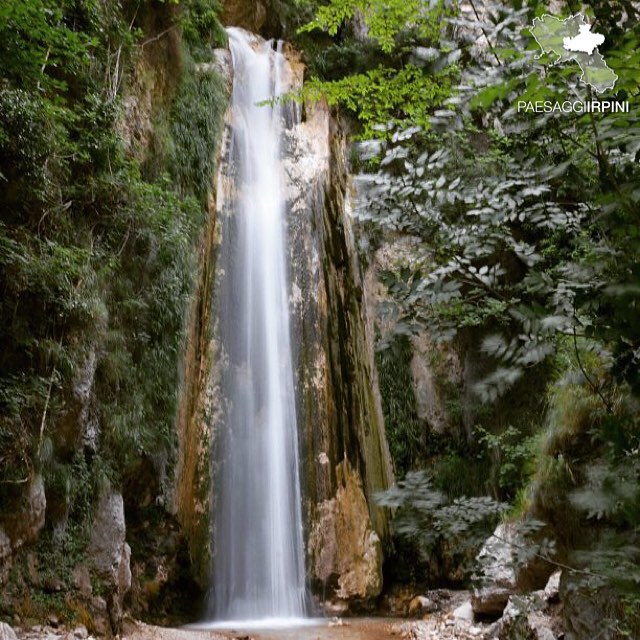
[344, 454]
[344, 449]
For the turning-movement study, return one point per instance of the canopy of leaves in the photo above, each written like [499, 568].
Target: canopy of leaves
[398, 76]
[428, 516]
[385, 19]
[524, 229]
[528, 225]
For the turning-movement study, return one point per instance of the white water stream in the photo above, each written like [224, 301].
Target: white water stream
[258, 569]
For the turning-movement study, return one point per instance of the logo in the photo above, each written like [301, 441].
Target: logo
[571, 40]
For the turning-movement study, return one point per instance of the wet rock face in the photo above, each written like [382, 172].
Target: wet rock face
[343, 450]
[200, 400]
[430, 401]
[248, 15]
[345, 552]
[345, 458]
[344, 455]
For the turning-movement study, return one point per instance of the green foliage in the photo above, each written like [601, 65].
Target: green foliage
[385, 95]
[524, 231]
[380, 77]
[585, 485]
[40, 52]
[96, 261]
[385, 20]
[513, 458]
[151, 279]
[460, 471]
[196, 126]
[405, 432]
[524, 249]
[436, 522]
[201, 28]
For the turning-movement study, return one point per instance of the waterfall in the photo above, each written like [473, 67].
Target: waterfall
[258, 568]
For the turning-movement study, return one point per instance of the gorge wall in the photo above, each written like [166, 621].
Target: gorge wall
[88, 527]
[345, 458]
[344, 449]
[106, 478]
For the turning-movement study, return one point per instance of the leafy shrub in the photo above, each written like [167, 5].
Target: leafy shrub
[513, 456]
[94, 257]
[440, 526]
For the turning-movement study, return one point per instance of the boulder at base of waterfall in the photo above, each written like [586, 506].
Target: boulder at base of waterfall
[528, 617]
[421, 605]
[463, 612]
[6, 632]
[490, 601]
[345, 550]
[552, 589]
[497, 575]
[584, 611]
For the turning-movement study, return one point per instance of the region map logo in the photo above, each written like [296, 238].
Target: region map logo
[571, 40]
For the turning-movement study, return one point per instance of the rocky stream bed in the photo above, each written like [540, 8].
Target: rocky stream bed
[436, 615]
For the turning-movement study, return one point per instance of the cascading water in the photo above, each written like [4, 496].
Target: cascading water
[258, 568]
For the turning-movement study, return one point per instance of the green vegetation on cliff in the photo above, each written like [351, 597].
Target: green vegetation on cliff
[108, 135]
[524, 256]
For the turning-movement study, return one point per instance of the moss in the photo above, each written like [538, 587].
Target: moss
[202, 30]
[406, 433]
[196, 127]
[573, 411]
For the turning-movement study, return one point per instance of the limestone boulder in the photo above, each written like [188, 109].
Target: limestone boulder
[421, 605]
[23, 526]
[108, 539]
[345, 551]
[527, 617]
[463, 612]
[552, 588]
[6, 632]
[583, 611]
[490, 601]
[111, 555]
[497, 576]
